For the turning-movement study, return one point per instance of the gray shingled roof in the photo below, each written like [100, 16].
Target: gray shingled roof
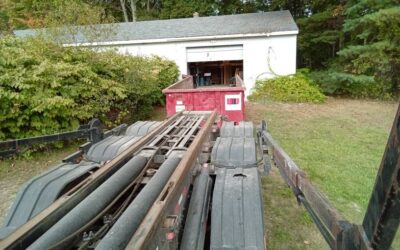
[253, 23]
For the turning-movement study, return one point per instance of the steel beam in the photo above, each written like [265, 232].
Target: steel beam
[196, 222]
[92, 131]
[120, 233]
[174, 184]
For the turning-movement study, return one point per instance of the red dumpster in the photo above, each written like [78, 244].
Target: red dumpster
[227, 100]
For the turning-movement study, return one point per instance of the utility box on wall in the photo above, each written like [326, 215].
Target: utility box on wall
[227, 100]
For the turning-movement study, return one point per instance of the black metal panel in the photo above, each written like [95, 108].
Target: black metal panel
[234, 152]
[109, 148]
[92, 130]
[243, 129]
[12, 146]
[141, 128]
[196, 223]
[237, 212]
[41, 191]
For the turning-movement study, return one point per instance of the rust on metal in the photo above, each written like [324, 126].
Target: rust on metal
[154, 216]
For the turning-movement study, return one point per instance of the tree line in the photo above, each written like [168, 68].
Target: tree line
[351, 47]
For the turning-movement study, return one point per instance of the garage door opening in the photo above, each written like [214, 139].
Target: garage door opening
[215, 73]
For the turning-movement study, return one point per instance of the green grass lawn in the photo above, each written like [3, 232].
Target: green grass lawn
[339, 145]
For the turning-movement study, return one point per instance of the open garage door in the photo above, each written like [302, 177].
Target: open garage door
[215, 72]
[216, 53]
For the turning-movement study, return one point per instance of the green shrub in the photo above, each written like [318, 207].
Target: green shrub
[143, 78]
[350, 85]
[45, 88]
[296, 88]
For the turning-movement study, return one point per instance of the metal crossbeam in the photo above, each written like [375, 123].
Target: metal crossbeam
[92, 131]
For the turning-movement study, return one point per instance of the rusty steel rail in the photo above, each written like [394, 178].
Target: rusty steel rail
[155, 215]
[338, 232]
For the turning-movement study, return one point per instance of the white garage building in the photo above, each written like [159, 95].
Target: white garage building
[255, 45]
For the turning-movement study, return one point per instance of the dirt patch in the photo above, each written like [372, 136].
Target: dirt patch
[359, 111]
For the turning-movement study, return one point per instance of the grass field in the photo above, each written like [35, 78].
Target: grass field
[338, 144]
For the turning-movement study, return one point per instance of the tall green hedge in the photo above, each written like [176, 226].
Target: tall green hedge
[46, 88]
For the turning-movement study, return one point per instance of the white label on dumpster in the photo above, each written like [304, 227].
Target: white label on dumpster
[233, 102]
[179, 106]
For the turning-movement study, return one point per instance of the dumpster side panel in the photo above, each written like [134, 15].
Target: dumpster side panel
[177, 102]
[227, 103]
[170, 103]
[205, 101]
[237, 210]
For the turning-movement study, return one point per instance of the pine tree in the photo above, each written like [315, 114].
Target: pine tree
[369, 65]
[320, 37]
[374, 27]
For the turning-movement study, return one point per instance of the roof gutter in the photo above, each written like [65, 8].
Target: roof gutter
[183, 39]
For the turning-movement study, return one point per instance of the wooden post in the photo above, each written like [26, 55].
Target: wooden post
[382, 218]
[226, 73]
